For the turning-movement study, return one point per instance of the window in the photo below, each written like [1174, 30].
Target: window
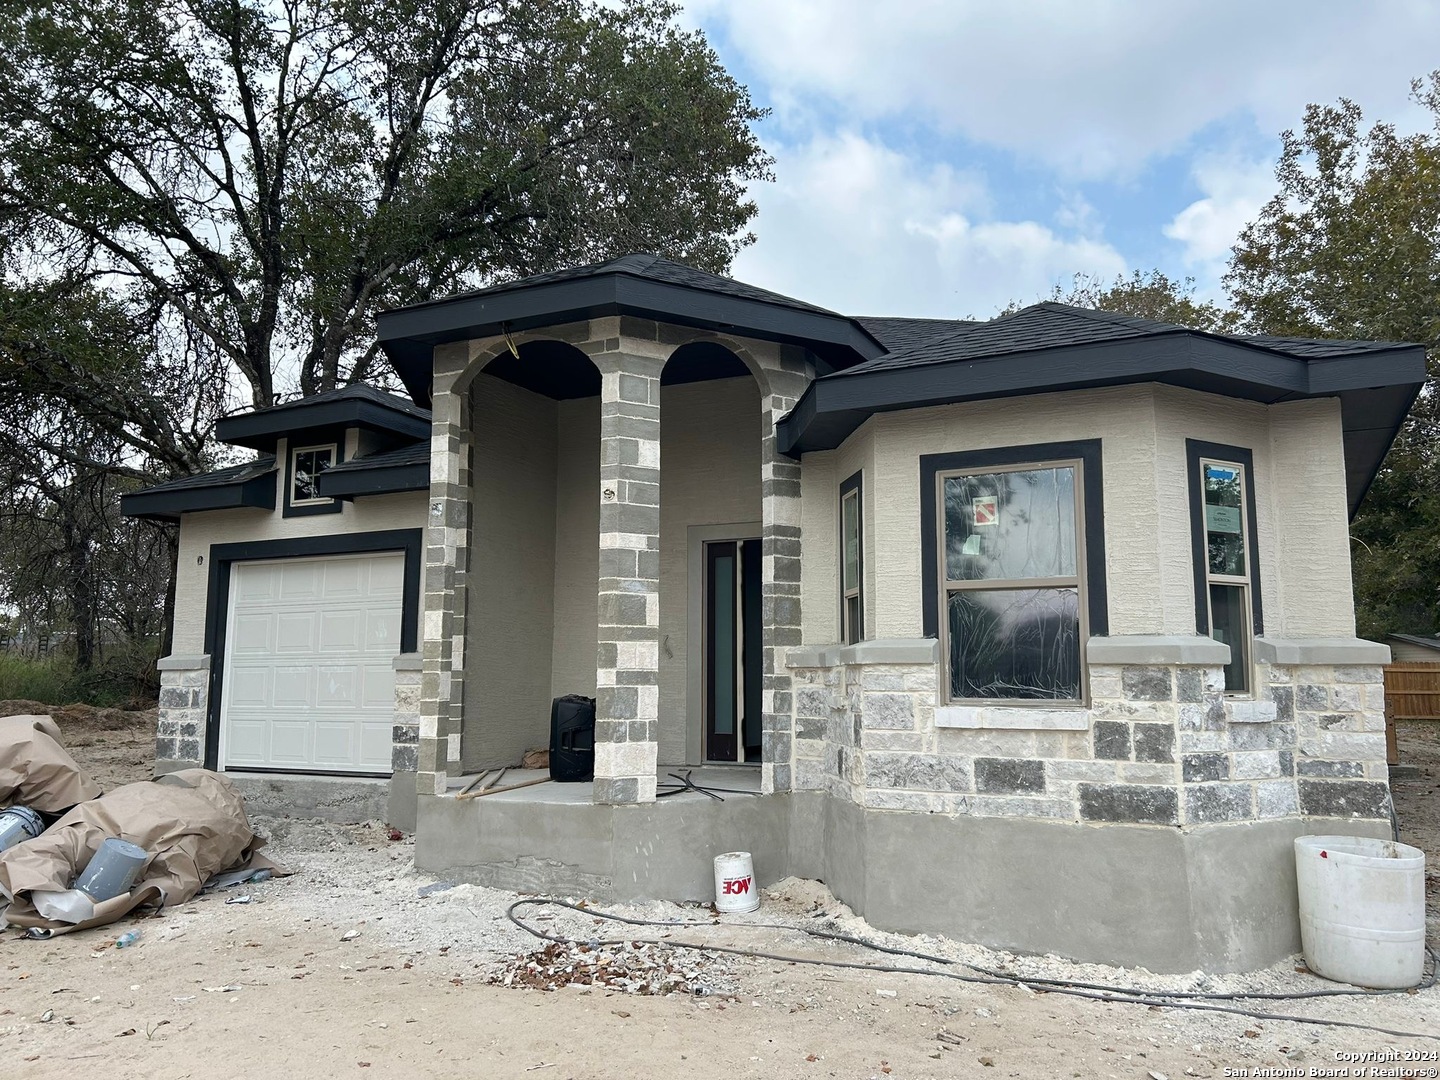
[1013, 599]
[852, 559]
[1223, 524]
[306, 465]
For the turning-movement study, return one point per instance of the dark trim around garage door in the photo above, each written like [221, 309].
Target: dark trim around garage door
[409, 542]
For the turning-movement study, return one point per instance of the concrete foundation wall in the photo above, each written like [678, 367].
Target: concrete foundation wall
[709, 475]
[511, 617]
[1217, 897]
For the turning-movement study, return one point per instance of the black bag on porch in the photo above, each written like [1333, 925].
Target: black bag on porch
[572, 738]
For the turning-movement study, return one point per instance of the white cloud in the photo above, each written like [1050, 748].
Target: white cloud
[1234, 191]
[1096, 88]
[864, 229]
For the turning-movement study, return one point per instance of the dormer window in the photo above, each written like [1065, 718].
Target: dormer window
[306, 465]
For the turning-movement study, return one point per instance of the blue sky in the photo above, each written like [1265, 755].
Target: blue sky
[943, 157]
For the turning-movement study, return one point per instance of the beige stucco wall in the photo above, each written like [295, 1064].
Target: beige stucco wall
[198, 531]
[1300, 504]
[709, 475]
[510, 616]
[820, 481]
[577, 547]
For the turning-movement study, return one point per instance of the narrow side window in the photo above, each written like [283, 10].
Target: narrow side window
[1227, 599]
[852, 562]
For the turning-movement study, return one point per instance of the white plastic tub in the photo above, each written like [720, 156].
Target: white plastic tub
[1362, 909]
[735, 889]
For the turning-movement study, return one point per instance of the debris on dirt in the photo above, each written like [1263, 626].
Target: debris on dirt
[635, 968]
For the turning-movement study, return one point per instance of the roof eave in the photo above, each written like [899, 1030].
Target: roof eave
[376, 480]
[263, 429]
[257, 492]
[409, 335]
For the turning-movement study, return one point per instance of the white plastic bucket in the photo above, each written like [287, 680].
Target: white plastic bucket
[18, 824]
[1362, 909]
[735, 888]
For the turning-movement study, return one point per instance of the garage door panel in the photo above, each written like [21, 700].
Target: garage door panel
[345, 580]
[290, 743]
[295, 631]
[301, 580]
[382, 631]
[336, 743]
[250, 688]
[294, 687]
[387, 579]
[248, 742]
[253, 634]
[309, 682]
[338, 687]
[342, 631]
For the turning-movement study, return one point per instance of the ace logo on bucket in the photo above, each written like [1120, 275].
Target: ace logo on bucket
[735, 888]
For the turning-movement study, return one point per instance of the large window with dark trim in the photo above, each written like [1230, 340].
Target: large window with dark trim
[1013, 564]
[852, 562]
[1226, 604]
[1013, 596]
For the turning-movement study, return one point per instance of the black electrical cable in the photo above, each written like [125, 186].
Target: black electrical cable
[1089, 991]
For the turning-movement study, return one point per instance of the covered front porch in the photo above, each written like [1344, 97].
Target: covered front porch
[609, 517]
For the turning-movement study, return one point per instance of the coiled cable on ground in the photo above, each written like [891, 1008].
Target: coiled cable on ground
[1204, 1001]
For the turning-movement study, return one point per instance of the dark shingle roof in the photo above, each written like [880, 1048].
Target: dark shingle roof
[903, 334]
[415, 454]
[653, 268]
[1041, 326]
[1051, 325]
[233, 474]
[353, 392]
[1317, 348]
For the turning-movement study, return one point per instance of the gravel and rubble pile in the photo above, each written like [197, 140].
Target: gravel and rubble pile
[633, 967]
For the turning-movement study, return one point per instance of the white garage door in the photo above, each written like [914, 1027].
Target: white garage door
[309, 683]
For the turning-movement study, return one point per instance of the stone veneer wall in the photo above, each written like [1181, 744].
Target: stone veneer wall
[184, 702]
[1160, 744]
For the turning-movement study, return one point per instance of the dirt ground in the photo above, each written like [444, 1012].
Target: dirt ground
[345, 969]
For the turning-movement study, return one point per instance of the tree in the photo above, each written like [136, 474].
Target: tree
[1152, 295]
[267, 174]
[1349, 247]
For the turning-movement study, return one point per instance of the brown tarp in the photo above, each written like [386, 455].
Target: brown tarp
[191, 822]
[36, 771]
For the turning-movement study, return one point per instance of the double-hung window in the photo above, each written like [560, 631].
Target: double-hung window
[306, 465]
[1227, 604]
[852, 561]
[1011, 559]
[1013, 569]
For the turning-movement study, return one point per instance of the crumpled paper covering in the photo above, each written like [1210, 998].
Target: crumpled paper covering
[192, 823]
[36, 771]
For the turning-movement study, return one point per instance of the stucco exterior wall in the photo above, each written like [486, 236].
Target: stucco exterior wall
[404, 510]
[820, 481]
[577, 555]
[709, 475]
[1123, 417]
[510, 628]
[1302, 520]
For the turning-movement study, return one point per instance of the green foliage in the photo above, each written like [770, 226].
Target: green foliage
[1146, 295]
[22, 679]
[1349, 247]
[268, 174]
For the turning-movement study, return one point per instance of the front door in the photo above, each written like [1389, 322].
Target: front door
[732, 650]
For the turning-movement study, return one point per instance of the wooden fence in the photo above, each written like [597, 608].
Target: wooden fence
[1412, 691]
